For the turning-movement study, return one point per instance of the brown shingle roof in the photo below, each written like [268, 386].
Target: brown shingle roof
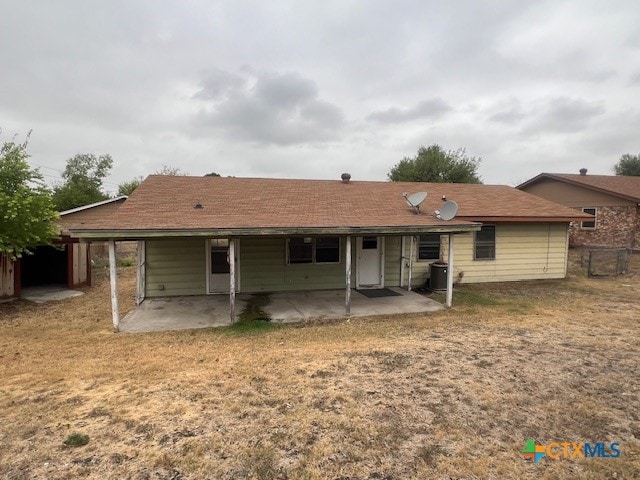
[618, 185]
[167, 203]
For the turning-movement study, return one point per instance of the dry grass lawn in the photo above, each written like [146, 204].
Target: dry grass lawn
[448, 395]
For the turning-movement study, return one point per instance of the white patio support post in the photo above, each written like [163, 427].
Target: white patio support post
[113, 276]
[402, 261]
[410, 262]
[232, 279]
[140, 273]
[450, 272]
[347, 280]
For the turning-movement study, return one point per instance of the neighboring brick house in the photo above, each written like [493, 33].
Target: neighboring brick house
[614, 200]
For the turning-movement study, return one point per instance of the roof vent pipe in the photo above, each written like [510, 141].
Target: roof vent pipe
[346, 177]
[583, 171]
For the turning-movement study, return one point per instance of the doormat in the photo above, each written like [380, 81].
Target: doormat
[379, 292]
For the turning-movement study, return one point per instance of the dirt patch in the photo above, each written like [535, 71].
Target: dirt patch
[452, 394]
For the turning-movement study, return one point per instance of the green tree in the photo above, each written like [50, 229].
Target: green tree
[27, 211]
[83, 177]
[433, 164]
[628, 165]
[212, 174]
[127, 188]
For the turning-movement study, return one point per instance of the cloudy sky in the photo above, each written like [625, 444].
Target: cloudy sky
[310, 89]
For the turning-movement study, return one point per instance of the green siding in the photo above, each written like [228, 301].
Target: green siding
[180, 266]
[523, 251]
[263, 268]
[392, 261]
[175, 267]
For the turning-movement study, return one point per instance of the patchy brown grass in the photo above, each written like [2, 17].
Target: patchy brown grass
[448, 395]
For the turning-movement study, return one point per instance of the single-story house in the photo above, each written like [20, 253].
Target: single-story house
[613, 200]
[67, 262]
[210, 235]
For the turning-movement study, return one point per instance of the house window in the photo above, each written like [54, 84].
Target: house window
[220, 242]
[369, 243]
[327, 250]
[314, 250]
[301, 250]
[219, 255]
[429, 247]
[589, 224]
[485, 243]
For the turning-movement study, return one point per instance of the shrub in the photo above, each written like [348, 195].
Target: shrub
[76, 440]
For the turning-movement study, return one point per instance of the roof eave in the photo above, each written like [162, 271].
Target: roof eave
[532, 180]
[93, 205]
[122, 234]
[562, 219]
[551, 176]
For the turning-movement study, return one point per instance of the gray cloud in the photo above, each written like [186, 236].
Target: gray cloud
[613, 137]
[558, 115]
[333, 86]
[635, 79]
[563, 115]
[426, 109]
[218, 83]
[286, 91]
[507, 112]
[282, 109]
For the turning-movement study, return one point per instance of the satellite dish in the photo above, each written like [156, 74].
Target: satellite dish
[447, 211]
[415, 199]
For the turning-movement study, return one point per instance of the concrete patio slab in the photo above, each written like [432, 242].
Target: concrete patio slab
[48, 293]
[298, 306]
[178, 313]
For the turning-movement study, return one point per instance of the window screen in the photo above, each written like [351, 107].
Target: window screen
[429, 247]
[369, 243]
[300, 250]
[589, 223]
[219, 242]
[486, 243]
[219, 263]
[219, 255]
[327, 250]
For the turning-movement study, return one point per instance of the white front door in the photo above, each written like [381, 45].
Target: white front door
[369, 266]
[218, 268]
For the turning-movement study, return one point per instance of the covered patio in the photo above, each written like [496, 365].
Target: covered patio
[201, 311]
[179, 313]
